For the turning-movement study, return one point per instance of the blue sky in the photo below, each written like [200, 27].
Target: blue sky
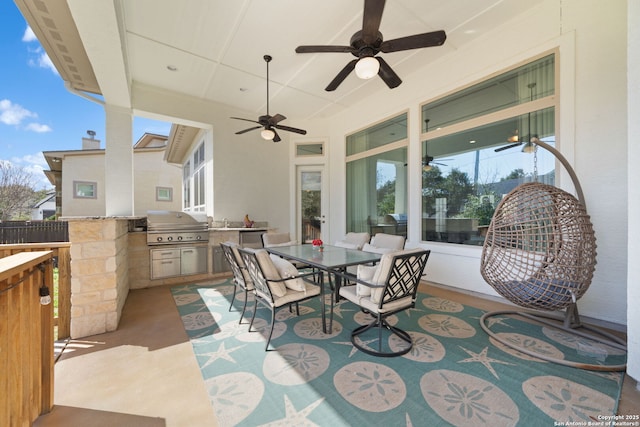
[37, 113]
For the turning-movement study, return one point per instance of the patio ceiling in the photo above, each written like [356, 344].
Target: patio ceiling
[217, 47]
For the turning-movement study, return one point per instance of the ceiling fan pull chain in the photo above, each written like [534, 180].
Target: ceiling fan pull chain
[535, 165]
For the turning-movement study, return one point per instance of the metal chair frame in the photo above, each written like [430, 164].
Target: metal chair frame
[263, 293]
[402, 281]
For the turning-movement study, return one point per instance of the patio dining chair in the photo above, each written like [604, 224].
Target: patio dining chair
[241, 278]
[277, 282]
[383, 290]
[353, 240]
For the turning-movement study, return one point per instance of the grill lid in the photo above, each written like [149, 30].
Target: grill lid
[173, 220]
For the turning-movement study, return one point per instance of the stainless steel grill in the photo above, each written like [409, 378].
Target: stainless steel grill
[171, 227]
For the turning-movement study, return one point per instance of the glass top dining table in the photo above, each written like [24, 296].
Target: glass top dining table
[331, 259]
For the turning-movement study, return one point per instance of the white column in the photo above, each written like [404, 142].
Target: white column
[633, 231]
[118, 171]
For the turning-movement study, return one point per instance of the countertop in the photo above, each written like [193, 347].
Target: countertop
[241, 229]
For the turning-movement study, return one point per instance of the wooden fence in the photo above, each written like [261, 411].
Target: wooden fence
[26, 339]
[61, 253]
[33, 231]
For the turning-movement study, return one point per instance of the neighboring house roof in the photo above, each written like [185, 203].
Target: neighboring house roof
[147, 142]
[51, 196]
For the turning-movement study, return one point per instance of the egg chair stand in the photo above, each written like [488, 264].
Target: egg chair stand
[540, 253]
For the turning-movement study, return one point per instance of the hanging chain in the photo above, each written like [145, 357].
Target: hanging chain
[535, 163]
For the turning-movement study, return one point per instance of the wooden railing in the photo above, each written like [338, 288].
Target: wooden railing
[26, 338]
[61, 254]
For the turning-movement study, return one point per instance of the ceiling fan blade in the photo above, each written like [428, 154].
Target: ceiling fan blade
[290, 129]
[434, 38]
[322, 49]
[506, 147]
[246, 120]
[341, 76]
[371, 20]
[276, 137]
[275, 119]
[247, 130]
[387, 74]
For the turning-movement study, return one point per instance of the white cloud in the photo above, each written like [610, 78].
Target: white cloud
[38, 128]
[42, 60]
[13, 114]
[35, 164]
[29, 35]
[45, 62]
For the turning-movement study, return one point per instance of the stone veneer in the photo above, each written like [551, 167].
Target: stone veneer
[99, 273]
[107, 260]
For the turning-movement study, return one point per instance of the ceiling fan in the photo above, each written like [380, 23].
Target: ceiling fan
[269, 123]
[427, 160]
[368, 42]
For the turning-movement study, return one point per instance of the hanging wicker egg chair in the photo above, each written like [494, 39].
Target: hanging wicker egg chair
[540, 253]
[540, 249]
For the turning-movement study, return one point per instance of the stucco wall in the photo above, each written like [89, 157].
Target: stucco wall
[150, 171]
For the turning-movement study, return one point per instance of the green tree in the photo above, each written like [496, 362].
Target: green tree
[432, 188]
[457, 188]
[386, 198]
[514, 174]
[479, 207]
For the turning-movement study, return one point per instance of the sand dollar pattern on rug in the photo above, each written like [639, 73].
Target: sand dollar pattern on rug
[295, 364]
[446, 326]
[565, 400]
[370, 386]
[529, 343]
[466, 400]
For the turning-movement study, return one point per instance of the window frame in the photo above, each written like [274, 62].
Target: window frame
[168, 198]
[512, 112]
[93, 184]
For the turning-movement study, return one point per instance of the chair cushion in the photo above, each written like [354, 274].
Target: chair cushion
[310, 290]
[347, 245]
[380, 277]
[366, 273]
[271, 240]
[383, 240]
[365, 302]
[357, 238]
[278, 289]
[286, 269]
[275, 245]
[377, 250]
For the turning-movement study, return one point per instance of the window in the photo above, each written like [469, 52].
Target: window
[198, 178]
[314, 149]
[186, 185]
[377, 178]
[164, 194]
[469, 155]
[194, 181]
[84, 190]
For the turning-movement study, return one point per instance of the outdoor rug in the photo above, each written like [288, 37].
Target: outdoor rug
[454, 375]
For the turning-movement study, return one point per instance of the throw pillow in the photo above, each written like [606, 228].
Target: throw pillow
[286, 269]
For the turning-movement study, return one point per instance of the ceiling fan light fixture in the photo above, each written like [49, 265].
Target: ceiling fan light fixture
[367, 67]
[267, 134]
[427, 167]
[529, 148]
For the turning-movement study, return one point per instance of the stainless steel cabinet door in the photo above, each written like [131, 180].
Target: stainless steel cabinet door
[193, 260]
